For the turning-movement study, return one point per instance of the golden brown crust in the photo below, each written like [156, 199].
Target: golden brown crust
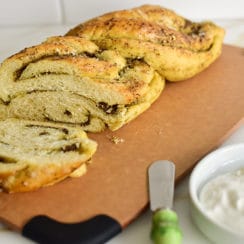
[195, 37]
[32, 178]
[158, 27]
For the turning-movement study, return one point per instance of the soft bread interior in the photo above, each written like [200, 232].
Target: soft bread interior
[33, 154]
[3, 110]
[71, 108]
[94, 90]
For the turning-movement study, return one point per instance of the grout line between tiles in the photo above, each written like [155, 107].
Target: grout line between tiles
[62, 12]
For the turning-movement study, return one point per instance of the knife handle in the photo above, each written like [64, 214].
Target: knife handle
[165, 227]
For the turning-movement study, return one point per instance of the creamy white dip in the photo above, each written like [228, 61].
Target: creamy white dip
[223, 200]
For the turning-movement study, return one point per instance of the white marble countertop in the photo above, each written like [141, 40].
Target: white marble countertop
[14, 39]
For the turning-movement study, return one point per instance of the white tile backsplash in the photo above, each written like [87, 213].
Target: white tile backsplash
[79, 10]
[42, 12]
[30, 12]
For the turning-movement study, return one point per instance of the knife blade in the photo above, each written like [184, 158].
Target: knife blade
[165, 225]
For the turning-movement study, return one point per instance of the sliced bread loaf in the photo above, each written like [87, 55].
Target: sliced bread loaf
[70, 80]
[35, 154]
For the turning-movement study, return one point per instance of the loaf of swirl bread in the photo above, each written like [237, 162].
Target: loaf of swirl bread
[36, 154]
[70, 80]
[174, 46]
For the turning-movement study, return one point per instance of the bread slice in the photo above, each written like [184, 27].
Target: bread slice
[174, 46]
[70, 80]
[3, 110]
[35, 154]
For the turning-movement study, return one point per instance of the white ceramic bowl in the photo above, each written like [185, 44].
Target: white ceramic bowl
[220, 161]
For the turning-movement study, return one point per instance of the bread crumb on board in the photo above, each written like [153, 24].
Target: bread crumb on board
[116, 140]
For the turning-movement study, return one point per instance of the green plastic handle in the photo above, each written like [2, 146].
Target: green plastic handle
[165, 227]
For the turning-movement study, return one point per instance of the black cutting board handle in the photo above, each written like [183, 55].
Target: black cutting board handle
[96, 230]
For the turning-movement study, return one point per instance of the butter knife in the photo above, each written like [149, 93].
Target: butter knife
[165, 225]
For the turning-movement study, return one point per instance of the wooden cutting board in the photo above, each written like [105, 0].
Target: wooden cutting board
[184, 124]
